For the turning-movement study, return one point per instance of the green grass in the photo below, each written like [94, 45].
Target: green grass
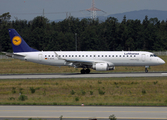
[115, 91]
[74, 91]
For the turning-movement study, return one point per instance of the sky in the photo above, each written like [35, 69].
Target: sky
[58, 9]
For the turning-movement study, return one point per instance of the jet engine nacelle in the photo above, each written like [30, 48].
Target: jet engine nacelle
[102, 67]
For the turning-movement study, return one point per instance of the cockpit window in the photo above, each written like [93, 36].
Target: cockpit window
[153, 55]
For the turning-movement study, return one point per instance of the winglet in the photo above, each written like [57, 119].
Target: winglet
[18, 43]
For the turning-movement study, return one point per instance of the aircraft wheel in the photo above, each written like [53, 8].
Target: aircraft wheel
[87, 71]
[146, 71]
[82, 71]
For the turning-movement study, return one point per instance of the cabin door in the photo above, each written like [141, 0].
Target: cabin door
[40, 57]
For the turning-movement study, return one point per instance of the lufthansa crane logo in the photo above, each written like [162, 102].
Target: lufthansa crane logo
[16, 40]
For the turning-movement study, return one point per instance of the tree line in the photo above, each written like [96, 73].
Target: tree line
[92, 35]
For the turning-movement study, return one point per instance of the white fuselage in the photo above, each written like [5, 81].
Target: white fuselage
[112, 58]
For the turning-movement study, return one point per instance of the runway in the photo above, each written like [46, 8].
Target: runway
[84, 112]
[78, 75]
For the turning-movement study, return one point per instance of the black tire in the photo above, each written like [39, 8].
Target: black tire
[82, 71]
[87, 71]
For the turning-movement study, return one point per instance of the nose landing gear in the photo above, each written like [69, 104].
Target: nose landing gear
[146, 70]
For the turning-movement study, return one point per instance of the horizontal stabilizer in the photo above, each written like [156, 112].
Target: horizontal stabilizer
[13, 54]
[8, 54]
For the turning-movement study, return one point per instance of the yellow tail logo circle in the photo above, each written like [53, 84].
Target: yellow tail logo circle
[16, 40]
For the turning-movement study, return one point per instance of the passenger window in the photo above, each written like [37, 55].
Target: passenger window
[116, 55]
[75, 55]
[112, 55]
[82, 55]
[86, 55]
[120, 56]
[72, 55]
[63, 56]
[101, 55]
[45, 55]
[59, 55]
[66, 55]
[69, 55]
[98, 55]
[134, 55]
[123, 55]
[52, 55]
[79, 55]
[131, 56]
[105, 55]
[109, 55]
[127, 55]
[94, 55]
[48, 55]
[90, 55]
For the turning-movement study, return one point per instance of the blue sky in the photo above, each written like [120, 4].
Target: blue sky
[56, 9]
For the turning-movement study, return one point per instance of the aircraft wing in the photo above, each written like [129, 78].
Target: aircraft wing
[87, 63]
[83, 62]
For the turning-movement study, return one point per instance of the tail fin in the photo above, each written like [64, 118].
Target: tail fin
[18, 43]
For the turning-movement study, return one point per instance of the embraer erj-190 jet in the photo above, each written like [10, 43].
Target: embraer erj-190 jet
[97, 60]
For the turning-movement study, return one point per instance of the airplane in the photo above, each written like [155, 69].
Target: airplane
[97, 60]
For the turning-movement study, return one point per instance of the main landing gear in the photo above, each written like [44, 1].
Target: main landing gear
[87, 71]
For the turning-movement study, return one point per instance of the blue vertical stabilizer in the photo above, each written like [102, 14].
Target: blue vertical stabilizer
[18, 43]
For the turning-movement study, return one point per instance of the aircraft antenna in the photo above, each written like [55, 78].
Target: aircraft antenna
[43, 13]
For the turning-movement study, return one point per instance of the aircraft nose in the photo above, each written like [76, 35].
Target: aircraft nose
[161, 61]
